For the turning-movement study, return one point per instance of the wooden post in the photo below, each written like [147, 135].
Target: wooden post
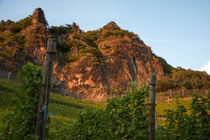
[168, 99]
[8, 78]
[182, 92]
[45, 89]
[152, 86]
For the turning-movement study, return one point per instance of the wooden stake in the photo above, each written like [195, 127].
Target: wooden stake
[45, 89]
[8, 78]
[152, 87]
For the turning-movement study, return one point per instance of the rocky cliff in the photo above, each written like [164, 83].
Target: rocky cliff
[94, 63]
[23, 41]
[105, 61]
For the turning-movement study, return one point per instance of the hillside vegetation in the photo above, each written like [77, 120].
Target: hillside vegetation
[180, 78]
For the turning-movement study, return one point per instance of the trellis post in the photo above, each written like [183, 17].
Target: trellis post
[45, 89]
[152, 88]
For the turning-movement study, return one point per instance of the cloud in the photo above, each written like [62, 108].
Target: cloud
[206, 67]
[158, 40]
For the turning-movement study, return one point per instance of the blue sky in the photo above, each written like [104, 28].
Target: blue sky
[177, 30]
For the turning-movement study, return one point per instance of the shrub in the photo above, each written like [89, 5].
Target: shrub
[95, 52]
[123, 118]
[20, 25]
[20, 118]
[15, 28]
[182, 124]
[20, 39]
[55, 31]
[166, 67]
[72, 59]
[118, 33]
[64, 46]
[184, 79]
[76, 36]
[91, 37]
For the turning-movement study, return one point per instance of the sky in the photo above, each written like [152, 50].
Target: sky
[177, 30]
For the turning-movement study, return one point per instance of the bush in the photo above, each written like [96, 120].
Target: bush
[64, 46]
[166, 67]
[20, 25]
[72, 59]
[183, 124]
[91, 37]
[123, 118]
[20, 118]
[55, 31]
[118, 33]
[184, 79]
[96, 53]
[15, 28]
[76, 36]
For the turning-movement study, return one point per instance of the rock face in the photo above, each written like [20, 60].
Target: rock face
[38, 17]
[36, 34]
[121, 61]
[94, 64]
[23, 41]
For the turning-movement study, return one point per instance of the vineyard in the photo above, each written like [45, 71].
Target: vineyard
[123, 117]
[65, 112]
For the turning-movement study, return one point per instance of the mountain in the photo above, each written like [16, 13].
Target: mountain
[94, 64]
[23, 41]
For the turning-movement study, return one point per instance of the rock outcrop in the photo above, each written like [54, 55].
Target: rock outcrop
[36, 37]
[93, 64]
[120, 60]
[23, 41]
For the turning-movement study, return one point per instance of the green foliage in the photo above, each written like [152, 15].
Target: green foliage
[183, 125]
[118, 33]
[76, 36]
[166, 67]
[116, 121]
[60, 128]
[20, 25]
[64, 46]
[96, 53]
[91, 37]
[72, 59]
[91, 124]
[20, 118]
[20, 39]
[184, 79]
[161, 107]
[5, 96]
[2, 25]
[123, 118]
[70, 100]
[64, 111]
[55, 31]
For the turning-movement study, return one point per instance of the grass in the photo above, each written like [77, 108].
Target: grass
[161, 107]
[6, 88]
[64, 111]
[70, 100]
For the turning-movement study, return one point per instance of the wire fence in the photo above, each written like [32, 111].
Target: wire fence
[161, 97]
[13, 77]
[164, 100]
